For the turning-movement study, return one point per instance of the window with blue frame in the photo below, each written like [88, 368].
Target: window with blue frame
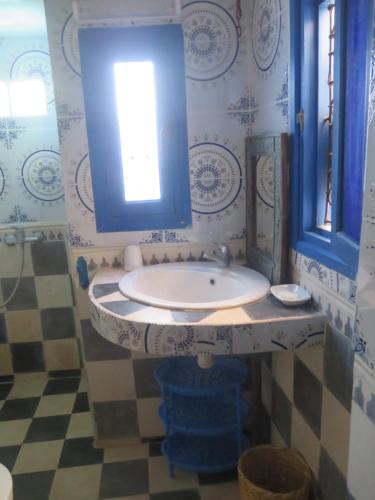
[331, 43]
[134, 90]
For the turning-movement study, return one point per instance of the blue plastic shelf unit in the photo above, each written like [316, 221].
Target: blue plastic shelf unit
[202, 412]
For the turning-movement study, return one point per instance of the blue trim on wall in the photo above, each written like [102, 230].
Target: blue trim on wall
[100, 48]
[295, 106]
[335, 249]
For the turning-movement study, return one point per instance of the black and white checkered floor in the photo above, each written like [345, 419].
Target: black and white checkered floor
[46, 441]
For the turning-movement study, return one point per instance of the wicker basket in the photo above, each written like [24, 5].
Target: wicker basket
[271, 473]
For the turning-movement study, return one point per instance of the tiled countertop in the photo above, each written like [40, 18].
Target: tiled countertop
[262, 326]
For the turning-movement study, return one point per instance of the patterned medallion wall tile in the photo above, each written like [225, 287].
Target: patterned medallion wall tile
[282, 98]
[63, 40]
[63, 36]
[215, 179]
[22, 205]
[220, 177]
[270, 119]
[23, 58]
[216, 76]
[269, 48]
[78, 187]
[35, 184]
[212, 49]
[244, 110]
[40, 176]
[209, 124]
[29, 145]
[217, 186]
[68, 114]
[230, 227]
[31, 60]
[15, 214]
[10, 131]
[5, 184]
[214, 97]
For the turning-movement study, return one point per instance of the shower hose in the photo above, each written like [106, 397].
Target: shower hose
[17, 284]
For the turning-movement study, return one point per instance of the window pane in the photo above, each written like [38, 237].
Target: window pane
[136, 111]
[4, 100]
[28, 98]
[325, 112]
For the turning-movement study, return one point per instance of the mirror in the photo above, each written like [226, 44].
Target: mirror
[265, 203]
[31, 183]
[267, 180]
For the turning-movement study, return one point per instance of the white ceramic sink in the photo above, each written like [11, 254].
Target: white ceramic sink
[194, 285]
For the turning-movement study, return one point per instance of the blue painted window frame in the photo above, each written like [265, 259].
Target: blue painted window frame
[353, 39]
[100, 48]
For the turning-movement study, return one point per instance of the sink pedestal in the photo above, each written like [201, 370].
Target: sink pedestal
[126, 411]
[205, 361]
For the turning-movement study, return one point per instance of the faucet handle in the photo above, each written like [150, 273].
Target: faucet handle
[223, 247]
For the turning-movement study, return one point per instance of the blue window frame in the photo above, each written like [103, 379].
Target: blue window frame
[163, 47]
[337, 247]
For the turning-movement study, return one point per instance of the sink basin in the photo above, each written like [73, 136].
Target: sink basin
[194, 285]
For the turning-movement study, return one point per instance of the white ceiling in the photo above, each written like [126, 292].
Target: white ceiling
[22, 18]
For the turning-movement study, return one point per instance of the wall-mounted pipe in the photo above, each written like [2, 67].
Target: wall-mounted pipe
[18, 237]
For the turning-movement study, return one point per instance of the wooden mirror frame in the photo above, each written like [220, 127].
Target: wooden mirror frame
[273, 266]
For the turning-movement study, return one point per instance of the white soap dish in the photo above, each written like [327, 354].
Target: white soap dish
[291, 295]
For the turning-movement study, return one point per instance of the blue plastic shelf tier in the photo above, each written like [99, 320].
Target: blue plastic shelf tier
[203, 454]
[202, 413]
[183, 375]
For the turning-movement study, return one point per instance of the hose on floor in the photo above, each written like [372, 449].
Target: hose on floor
[18, 281]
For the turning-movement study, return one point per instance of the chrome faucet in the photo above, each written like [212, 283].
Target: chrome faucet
[222, 257]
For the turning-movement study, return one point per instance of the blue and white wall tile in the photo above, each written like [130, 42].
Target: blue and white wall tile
[269, 78]
[333, 293]
[31, 180]
[216, 79]
[269, 65]
[361, 480]
[213, 47]
[365, 338]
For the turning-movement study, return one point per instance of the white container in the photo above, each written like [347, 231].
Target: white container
[132, 258]
[291, 295]
[6, 484]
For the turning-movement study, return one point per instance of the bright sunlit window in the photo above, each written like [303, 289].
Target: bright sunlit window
[4, 100]
[28, 98]
[23, 98]
[136, 112]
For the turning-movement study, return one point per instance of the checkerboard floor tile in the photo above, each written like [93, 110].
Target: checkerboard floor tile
[46, 441]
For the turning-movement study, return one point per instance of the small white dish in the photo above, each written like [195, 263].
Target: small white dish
[291, 295]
